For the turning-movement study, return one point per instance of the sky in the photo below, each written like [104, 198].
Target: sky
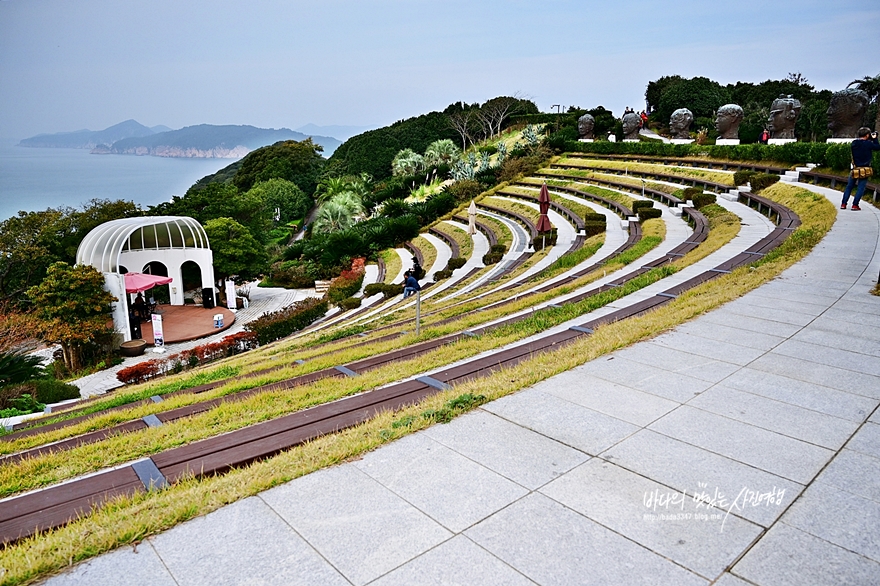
[72, 64]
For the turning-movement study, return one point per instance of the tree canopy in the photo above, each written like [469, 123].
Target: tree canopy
[298, 162]
[236, 251]
[73, 309]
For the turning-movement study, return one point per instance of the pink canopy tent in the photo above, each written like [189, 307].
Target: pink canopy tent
[137, 282]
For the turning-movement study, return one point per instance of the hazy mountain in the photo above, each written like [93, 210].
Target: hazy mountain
[210, 141]
[88, 139]
[160, 128]
[343, 133]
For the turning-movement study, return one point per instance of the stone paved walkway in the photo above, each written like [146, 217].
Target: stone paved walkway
[740, 448]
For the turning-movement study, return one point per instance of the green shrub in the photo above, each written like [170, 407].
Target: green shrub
[593, 228]
[464, 190]
[490, 258]
[691, 193]
[455, 263]
[440, 275]
[642, 204]
[594, 217]
[542, 240]
[373, 288]
[760, 181]
[53, 391]
[278, 324]
[342, 288]
[743, 177]
[498, 248]
[703, 199]
[293, 274]
[350, 303]
[648, 213]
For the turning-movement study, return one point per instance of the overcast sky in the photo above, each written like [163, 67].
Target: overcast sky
[72, 64]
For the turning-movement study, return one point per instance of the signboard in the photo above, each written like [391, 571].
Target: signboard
[158, 334]
[230, 296]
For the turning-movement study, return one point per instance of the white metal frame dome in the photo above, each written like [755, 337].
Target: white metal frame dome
[102, 247]
[136, 242]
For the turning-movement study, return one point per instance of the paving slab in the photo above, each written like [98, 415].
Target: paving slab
[363, 529]
[631, 405]
[673, 360]
[554, 532]
[682, 466]
[770, 451]
[667, 522]
[718, 349]
[786, 556]
[524, 456]
[566, 422]
[674, 386]
[126, 566]
[209, 550]
[728, 318]
[737, 336]
[845, 359]
[462, 495]
[453, 562]
[769, 314]
[854, 473]
[842, 518]
[866, 440]
[803, 394]
[820, 374]
[796, 422]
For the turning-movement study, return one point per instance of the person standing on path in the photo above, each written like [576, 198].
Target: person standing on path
[862, 154]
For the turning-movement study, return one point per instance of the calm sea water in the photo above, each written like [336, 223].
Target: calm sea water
[36, 179]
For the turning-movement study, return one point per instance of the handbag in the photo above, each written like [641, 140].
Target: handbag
[859, 172]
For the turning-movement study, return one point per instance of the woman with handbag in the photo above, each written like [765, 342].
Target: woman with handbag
[862, 153]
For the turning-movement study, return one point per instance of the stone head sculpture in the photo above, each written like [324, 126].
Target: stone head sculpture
[680, 122]
[727, 121]
[846, 111]
[631, 123]
[783, 115]
[586, 123]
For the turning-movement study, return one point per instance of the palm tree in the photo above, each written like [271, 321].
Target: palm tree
[17, 368]
[339, 212]
[871, 86]
[407, 162]
[440, 152]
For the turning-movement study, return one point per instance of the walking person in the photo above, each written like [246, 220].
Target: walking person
[862, 150]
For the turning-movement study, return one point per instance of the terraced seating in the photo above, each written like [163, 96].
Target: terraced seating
[56, 505]
[684, 161]
[694, 181]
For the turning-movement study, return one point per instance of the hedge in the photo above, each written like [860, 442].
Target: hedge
[594, 217]
[350, 303]
[279, 324]
[388, 291]
[228, 346]
[642, 203]
[54, 391]
[760, 181]
[743, 177]
[703, 199]
[833, 155]
[648, 213]
[592, 228]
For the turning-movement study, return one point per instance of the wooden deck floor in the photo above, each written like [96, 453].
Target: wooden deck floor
[182, 323]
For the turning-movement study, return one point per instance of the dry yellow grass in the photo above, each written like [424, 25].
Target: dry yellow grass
[683, 172]
[393, 265]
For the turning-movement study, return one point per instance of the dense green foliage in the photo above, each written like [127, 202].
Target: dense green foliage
[31, 241]
[703, 96]
[236, 251]
[299, 162]
[221, 200]
[73, 308]
[285, 196]
[373, 151]
[49, 390]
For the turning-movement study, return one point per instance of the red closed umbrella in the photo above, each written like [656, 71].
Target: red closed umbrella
[544, 224]
[138, 282]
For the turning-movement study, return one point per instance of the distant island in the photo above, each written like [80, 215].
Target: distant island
[201, 141]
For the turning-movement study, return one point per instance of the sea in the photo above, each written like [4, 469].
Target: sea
[34, 179]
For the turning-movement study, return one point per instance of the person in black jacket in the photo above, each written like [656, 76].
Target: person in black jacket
[862, 154]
